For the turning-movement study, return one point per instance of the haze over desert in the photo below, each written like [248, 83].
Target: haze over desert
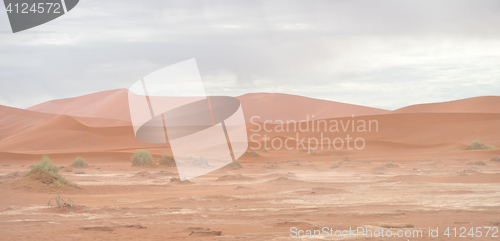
[249, 120]
[409, 175]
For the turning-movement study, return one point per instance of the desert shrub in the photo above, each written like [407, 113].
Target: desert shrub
[47, 172]
[142, 158]
[390, 165]
[167, 160]
[346, 159]
[314, 153]
[494, 159]
[79, 162]
[200, 161]
[479, 163]
[491, 147]
[265, 150]
[252, 153]
[234, 165]
[476, 145]
[334, 154]
[334, 166]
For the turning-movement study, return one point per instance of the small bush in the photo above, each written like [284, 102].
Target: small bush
[235, 165]
[314, 153]
[79, 162]
[252, 153]
[479, 163]
[265, 150]
[476, 145]
[47, 172]
[494, 159]
[334, 166]
[390, 165]
[167, 160]
[200, 161]
[142, 158]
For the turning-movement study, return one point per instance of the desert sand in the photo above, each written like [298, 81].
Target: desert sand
[413, 173]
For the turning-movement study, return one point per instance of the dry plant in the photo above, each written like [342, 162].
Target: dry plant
[62, 202]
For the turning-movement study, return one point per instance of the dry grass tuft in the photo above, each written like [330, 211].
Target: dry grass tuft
[79, 162]
[167, 160]
[142, 158]
[47, 173]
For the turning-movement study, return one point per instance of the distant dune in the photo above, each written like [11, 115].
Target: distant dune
[96, 124]
[482, 104]
[292, 107]
[13, 120]
[113, 104]
[64, 133]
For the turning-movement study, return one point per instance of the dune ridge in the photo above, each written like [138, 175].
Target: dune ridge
[481, 104]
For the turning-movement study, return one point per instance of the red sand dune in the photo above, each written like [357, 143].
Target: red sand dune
[482, 104]
[29, 132]
[13, 120]
[411, 132]
[292, 107]
[113, 104]
[66, 134]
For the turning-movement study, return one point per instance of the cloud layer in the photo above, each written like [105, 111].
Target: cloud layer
[385, 54]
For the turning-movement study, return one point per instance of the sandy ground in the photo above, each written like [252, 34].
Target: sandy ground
[262, 201]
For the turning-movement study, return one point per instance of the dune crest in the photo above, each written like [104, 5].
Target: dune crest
[482, 104]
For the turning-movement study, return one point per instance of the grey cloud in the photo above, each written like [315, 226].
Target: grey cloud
[377, 53]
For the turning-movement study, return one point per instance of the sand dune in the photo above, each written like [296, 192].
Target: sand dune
[400, 131]
[292, 107]
[13, 120]
[396, 133]
[113, 104]
[66, 134]
[482, 104]
[28, 132]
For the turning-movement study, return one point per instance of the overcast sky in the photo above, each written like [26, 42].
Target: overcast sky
[385, 54]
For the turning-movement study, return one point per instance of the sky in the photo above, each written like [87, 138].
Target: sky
[384, 54]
